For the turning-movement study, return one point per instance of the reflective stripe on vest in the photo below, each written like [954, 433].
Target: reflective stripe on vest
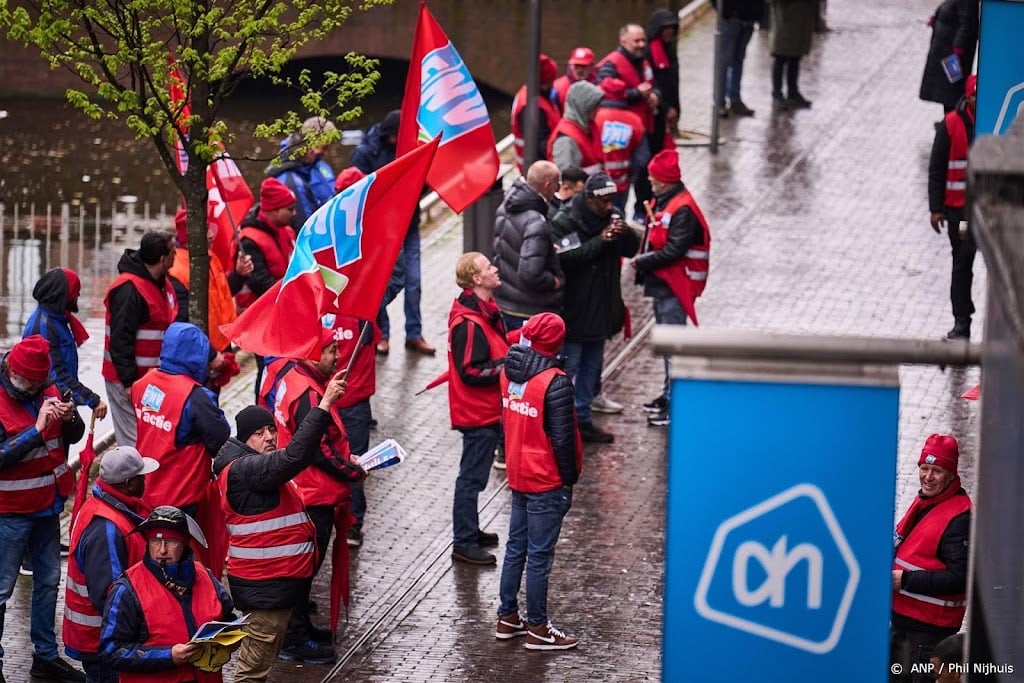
[79, 588]
[35, 482]
[83, 619]
[268, 524]
[271, 553]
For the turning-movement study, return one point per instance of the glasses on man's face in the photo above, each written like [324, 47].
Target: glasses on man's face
[168, 543]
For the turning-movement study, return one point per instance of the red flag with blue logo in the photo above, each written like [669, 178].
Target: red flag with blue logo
[441, 99]
[343, 258]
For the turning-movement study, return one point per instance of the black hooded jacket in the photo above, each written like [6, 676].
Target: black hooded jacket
[128, 312]
[521, 364]
[525, 255]
[254, 485]
[667, 80]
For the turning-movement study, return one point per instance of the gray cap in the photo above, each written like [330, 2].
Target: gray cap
[123, 463]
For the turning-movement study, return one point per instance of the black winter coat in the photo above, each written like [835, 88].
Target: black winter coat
[525, 254]
[938, 162]
[254, 484]
[955, 26]
[521, 364]
[684, 231]
[593, 309]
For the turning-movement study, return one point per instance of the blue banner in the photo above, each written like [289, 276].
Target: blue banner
[1000, 66]
[779, 534]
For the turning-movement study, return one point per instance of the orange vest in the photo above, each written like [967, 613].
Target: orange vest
[588, 142]
[621, 132]
[221, 307]
[275, 251]
[277, 544]
[529, 456]
[956, 170]
[33, 483]
[164, 613]
[284, 382]
[627, 73]
[81, 618]
[163, 309]
[696, 261]
[474, 406]
[159, 399]
[917, 552]
[547, 110]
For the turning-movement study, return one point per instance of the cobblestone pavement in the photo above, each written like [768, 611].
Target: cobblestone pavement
[820, 226]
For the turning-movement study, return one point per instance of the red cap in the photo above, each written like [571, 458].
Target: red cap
[30, 358]
[544, 332]
[181, 227]
[548, 70]
[614, 89]
[582, 56]
[664, 167]
[275, 195]
[348, 177]
[971, 86]
[74, 284]
[942, 451]
[326, 337]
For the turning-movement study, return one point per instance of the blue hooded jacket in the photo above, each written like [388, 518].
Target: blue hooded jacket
[186, 350]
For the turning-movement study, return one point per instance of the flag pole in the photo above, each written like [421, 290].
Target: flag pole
[359, 342]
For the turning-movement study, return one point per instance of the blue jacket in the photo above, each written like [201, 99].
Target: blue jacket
[187, 351]
[50, 320]
[312, 184]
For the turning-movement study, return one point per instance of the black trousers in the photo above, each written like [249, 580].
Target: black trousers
[963, 250]
[300, 624]
[912, 647]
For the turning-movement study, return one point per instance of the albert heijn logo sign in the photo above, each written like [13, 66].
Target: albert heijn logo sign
[783, 570]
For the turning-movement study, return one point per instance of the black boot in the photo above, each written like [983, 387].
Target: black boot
[961, 329]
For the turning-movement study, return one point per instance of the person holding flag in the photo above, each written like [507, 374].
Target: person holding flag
[674, 267]
[290, 390]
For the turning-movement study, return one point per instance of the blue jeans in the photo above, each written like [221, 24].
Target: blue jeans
[583, 363]
[475, 467]
[668, 311]
[41, 536]
[735, 37]
[405, 276]
[533, 529]
[356, 419]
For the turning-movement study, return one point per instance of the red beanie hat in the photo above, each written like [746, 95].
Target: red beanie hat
[348, 177]
[664, 167]
[544, 332]
[74, 284]
[164, 532]
[548, 70]
[614, 89]
[942, 451]
[30, 358]
[971, 86]
[275, 195]
[181, 227]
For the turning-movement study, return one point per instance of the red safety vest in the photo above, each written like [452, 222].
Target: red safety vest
[362, 378]
[276, 252]
[33, 483]
[277, 544]
[473, 406]
[696, 261]
[221, 307]
[956, 169]
[185, 471]
[81, 618]
[917, 552]
[529, 456]
[164, 614]
[588, 142]
[621, 132]
[288, 380]
[163, 309]
[627, 72]
[547, 109]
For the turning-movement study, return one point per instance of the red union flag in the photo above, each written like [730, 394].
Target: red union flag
[441, 99]
[343, 258]
[229, 195]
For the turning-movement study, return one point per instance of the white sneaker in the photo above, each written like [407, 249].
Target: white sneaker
[603, 404]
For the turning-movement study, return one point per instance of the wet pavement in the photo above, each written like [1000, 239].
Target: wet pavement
[819, 221]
